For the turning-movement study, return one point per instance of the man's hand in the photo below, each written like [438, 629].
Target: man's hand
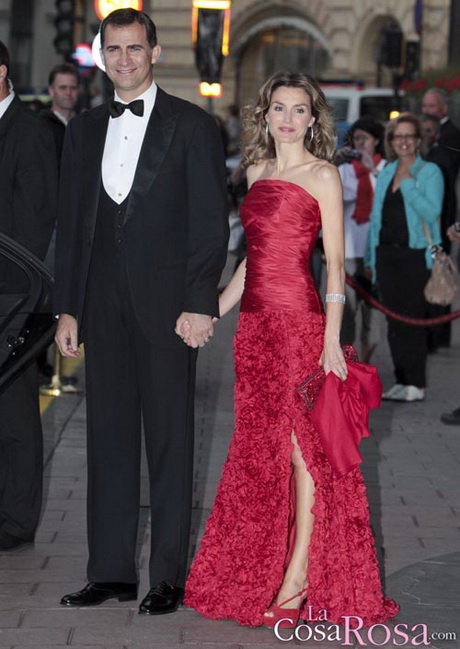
[453, 234]
[195, 329]
[66, 336]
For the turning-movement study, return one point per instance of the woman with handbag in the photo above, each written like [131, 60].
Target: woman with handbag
[285, 529]
[407, 204]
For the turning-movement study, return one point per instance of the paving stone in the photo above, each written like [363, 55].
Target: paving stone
[57, 548]
[127, 634]
[22, 562]
[69, 617]
[86, 646]
[42, 638]
[223, 630]
[9, 618]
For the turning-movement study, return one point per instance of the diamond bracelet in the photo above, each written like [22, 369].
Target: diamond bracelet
[335, 297]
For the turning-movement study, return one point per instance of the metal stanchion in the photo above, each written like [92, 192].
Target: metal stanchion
[57, 388]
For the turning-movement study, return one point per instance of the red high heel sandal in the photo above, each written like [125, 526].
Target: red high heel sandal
[288, 616]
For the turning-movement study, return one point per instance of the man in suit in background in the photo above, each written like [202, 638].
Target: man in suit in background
[142, 237]
[434, 102]
[28, 191]
[445, 152]
[63, 88]
[440, 336]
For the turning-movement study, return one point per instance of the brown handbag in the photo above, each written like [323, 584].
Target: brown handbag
[441, 287]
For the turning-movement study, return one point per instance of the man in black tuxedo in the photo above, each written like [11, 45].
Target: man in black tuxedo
[28, 191]
[142, 236]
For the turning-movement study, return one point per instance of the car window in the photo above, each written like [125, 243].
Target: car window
[339, 107]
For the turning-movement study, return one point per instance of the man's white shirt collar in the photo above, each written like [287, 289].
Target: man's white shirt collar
[4, 103]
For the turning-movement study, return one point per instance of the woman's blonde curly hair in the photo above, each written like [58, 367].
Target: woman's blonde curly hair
[259, 145]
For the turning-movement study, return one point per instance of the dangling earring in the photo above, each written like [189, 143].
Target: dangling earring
[311, 134]
[266, 129]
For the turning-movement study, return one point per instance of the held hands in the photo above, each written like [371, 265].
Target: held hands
[195, 329]
[66, 336]
[333, 360]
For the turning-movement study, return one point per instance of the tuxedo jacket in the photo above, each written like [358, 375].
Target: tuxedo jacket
[28, 178]
[175, 228]
[449, 137]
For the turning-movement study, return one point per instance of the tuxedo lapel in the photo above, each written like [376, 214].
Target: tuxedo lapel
[96, 134]
[15, 106]
[157, 140]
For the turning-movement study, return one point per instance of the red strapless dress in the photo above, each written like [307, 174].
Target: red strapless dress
[241, 562]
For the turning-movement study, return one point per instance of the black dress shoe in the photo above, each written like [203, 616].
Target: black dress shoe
[161, 599]
[98, 592]
[451, 418]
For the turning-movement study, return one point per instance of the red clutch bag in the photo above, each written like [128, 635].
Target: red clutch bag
[311, 387]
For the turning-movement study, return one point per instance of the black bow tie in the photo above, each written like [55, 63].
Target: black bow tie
[116, 108]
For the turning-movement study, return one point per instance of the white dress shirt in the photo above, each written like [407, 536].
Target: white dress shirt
[123, 143]
[4, 103]
[61, 118]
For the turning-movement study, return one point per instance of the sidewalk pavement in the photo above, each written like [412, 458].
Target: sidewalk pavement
[411, 468]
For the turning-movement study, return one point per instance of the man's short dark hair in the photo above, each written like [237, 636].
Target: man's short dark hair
[5, 57]
[123, 17]
[63, 68]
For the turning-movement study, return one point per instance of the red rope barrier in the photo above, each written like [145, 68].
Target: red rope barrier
[414, 322]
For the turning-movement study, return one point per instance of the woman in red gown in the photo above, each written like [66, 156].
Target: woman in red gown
[286, 536]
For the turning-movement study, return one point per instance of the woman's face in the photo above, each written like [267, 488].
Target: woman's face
[405, 142]
[289, 115]
[363, 141]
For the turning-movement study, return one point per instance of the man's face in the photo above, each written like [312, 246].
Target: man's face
[128, 59]
[429, 132]
[64, 92]
[432, 104]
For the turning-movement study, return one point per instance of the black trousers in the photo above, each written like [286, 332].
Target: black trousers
[21, 457]
[132, 382]
[401, 277]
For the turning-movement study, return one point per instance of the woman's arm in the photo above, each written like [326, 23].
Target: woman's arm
[425, 192]
[230, 296]
[329, 195]
[232, 293]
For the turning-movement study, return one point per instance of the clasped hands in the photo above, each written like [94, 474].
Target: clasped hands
[195, 329]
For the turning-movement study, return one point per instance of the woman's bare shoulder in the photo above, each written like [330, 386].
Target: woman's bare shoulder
[322, 170]
[319, 177]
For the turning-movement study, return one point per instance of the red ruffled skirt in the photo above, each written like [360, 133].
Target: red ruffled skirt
[241, 562]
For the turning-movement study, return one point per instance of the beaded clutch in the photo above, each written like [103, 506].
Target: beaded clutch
[311, 387]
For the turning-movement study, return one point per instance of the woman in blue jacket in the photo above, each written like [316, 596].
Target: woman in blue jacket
[407, 204]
